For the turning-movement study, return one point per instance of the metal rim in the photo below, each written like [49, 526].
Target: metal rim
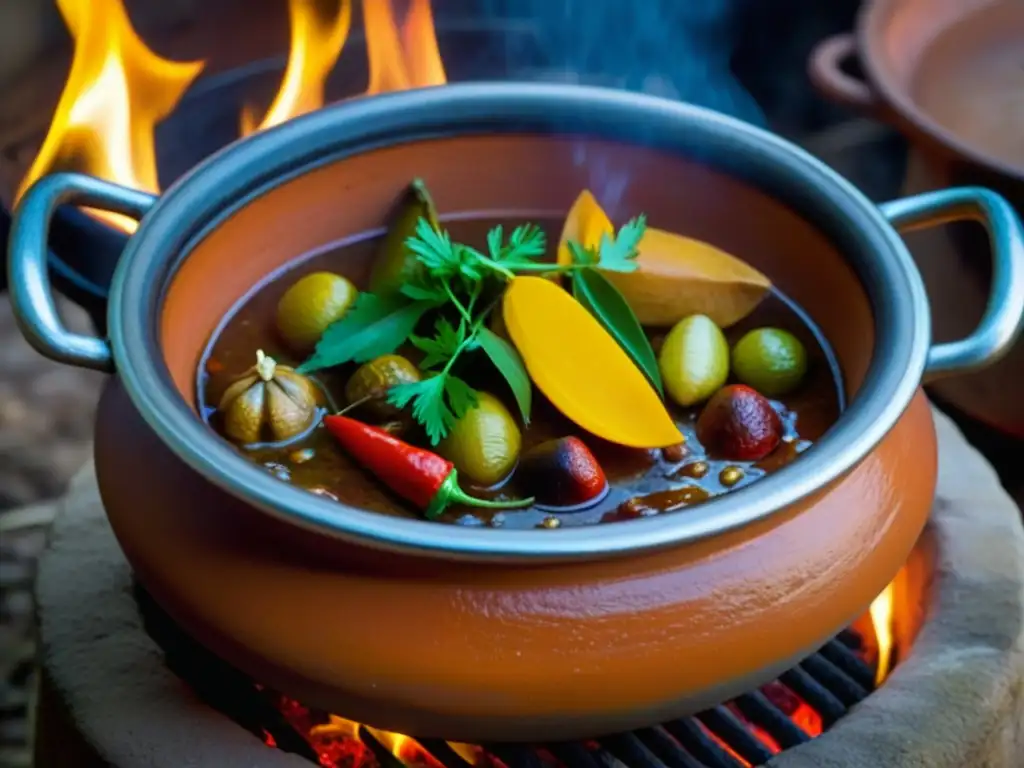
[246, 169]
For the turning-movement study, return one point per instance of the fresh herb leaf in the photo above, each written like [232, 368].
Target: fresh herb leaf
[618, 254]
[442, 347]
[424, 289]
[461, 396]
[443, 259]
[435, 251]
[526, 243]
[374, 326]
[508, 362]
[437, 402]
[496, 241]
[428, 406]
[581, 255]
[603, 300]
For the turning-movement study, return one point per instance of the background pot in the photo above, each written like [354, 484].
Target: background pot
[525, 641]
[947, 73]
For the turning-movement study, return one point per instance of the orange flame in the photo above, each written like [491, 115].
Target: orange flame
[401, 59]
[336, 728]
[316, 42]
[881, 612]
[406, 749]
[118, 89]
[472, 754]
[115, 94]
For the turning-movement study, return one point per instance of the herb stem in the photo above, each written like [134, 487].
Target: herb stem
[474, 295]
[550, 269]
[553, 269]
[466, 316]
[492, 264]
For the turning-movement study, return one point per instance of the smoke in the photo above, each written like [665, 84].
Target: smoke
[679, 49]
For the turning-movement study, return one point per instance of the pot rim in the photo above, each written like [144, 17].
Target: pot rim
[227, 180]
[871, 21]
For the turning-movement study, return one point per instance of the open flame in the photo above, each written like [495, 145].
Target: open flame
[337, 729]
[115, 94]
[316, 42]
[118, 89]
[405, 57]
[881, 612]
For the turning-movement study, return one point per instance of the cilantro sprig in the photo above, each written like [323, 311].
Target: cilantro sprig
[441, 398]
[463, 285]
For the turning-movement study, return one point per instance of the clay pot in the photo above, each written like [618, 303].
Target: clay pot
[489, 634]
[948, 74]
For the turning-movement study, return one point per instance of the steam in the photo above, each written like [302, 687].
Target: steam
[677, 49]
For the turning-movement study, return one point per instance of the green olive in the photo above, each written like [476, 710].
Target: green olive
[770, 360]
[484, 444]
[395, 264]
[694, 360]
[372, 380]
[309, 306]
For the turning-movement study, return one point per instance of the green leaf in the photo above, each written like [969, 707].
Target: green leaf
[495, 241]
[421, 287]
[581, 254]
[434, 250]
[461, 396]
[603, 301]
[525, 244]
[469, 262]
[508, 362]
[374, 326]
[442, 346]
[429, 408]
[618, 254]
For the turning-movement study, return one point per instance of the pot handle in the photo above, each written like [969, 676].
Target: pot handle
[1004, 314]
[825, 68]
[28, 278]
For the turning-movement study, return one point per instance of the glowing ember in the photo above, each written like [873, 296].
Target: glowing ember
[795, 708]
[316, 42]
[115, 94]
[339, 742]
[881, 619]
[725, 747]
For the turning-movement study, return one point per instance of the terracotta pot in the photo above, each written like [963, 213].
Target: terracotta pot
[947, 73]
[483, 634]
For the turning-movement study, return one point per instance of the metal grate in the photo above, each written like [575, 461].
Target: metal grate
[741, 733]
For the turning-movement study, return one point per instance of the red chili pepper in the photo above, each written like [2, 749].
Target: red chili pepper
[417, 475]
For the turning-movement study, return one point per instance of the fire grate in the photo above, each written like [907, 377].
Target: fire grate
[743, 733]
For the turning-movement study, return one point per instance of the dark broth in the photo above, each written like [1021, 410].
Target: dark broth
[641, 482]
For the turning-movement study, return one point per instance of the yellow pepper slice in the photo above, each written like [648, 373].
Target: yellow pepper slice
[581, 369]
